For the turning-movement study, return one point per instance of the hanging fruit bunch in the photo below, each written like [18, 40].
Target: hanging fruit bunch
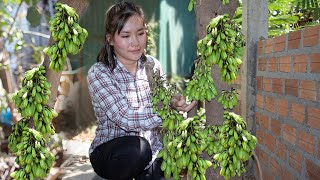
[161, 95]
[32, 156]
[201, 86]
[27, 139]
[228, 99]
[231, 145]
[223, 45]
[182, 150]
[68, 35]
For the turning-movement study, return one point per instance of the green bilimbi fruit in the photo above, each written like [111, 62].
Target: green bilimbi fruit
[31, 100]
[228, 99]
[183, 148]
[225, 41]
[69, 37]
[237, 145]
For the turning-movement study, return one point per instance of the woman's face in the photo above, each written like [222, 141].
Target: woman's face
[130, 43]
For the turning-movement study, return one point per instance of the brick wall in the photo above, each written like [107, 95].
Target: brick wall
[288, 105]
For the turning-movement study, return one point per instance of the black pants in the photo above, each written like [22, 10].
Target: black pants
[125, 158]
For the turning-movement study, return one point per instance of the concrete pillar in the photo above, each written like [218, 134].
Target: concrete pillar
[254, 27]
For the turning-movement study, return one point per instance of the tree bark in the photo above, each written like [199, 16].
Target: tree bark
[53, 77]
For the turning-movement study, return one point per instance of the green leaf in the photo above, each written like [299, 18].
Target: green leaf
[33, 16]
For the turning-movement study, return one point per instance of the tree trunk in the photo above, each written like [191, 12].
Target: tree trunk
[54, 78]
[205, 11]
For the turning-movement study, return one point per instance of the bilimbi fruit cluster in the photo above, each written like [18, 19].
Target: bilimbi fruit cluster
[201, 86]
[29, 145]
[223, 45]
[31, 100]
[183, 149]
[231, 145]
[67, 34]
[184, 140]
[27, 137]
[161, 95]
[228, 99]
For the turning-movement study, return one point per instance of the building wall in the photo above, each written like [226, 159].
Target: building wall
[288, 105]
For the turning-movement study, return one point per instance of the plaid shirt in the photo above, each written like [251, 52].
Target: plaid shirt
[122, 104]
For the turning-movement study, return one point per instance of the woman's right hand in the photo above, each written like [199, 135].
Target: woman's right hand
[178, 102]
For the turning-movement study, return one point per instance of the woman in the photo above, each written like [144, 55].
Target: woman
[126, 141]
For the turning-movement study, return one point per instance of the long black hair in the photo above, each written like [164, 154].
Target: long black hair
[116, 18]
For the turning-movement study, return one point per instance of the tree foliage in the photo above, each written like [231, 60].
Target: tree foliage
[288, 15]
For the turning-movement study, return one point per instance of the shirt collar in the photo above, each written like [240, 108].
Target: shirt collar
[120, 66]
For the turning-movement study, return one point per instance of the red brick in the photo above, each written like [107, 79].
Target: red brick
[294, 35]
[260, 47]
[311, 36]
[294, 40]
[275, 127]
[268, 46]
[315, 63]
[283, 107]
[281, 150]
[280, 39]
[308, 90]
[310, 41]
[305, 142]
[270, 105]
[263, 156]
[285, 63]
[262, 64]
[259, 82]
[270, 142]
[314, 117]
[285, 174]
[300, 63]
[275, 167]
[266, 84]
[289, 134]
[260, 136]
[277, 85]
[264, 122]
[269, 42]
[311, 31]
[260, 101]
[298, 112]
[279, 43]
[291, 87]
[295, 160]
[279, 47]
[273, 65]
[313, 170]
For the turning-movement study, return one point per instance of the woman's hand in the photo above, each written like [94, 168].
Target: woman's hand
[179, 103]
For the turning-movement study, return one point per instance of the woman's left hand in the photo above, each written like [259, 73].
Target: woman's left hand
[179, 103]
